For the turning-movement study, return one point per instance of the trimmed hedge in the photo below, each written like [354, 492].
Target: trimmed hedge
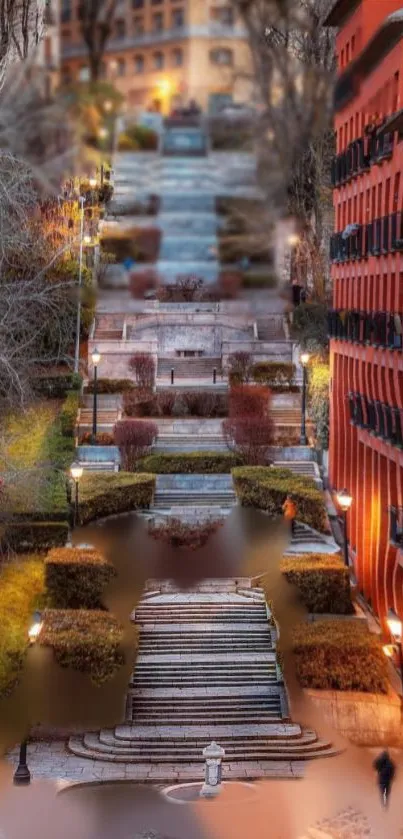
[274, 373]
[56, 387]
[339, 655]
[21, 585]
[266, 488]
[202, 463]
[27, 537]
[68, 414]
[322, 580]
[111, 386]
[76, 577]
[88, 641]
[104, 494]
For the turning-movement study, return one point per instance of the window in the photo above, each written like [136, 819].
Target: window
[84, 73]
[177, 58]
[65, 11]
[347, 53]
[120, 28]
[138, 25]
[178, 18]
[138, 4]
[158, 60]
[139, 64]
[352, 45]
[158, 22]
[120, 67]
[221, 56]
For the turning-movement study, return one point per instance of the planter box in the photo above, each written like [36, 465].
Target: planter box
[366, 719]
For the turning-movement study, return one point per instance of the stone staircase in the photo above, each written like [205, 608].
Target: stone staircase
[305, 468]
[271, 329]
[193, 491]
[206, 670]
[189, 368]
[106, 419]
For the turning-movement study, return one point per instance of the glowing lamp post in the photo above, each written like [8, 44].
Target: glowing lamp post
[396, 629]
[345, 501]
[76, 472]
[96, 358]
[304, 358]
[22, 775]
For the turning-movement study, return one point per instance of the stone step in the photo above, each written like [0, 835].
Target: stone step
[107, 737]
[101, 466]
[195, 681]
[189, 368]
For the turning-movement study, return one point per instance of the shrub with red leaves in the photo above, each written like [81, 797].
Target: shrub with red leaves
[135, 439]
[142, 365]
[181, 535]
[240, 366]
[249, 400]
[249, 437]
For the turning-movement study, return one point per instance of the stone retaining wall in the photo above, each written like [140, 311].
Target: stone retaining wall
[366, 719]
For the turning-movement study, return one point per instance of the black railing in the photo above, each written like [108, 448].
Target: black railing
[396, 525]
[360, 155]
[379, 329]
[381, 236]
[385, 421]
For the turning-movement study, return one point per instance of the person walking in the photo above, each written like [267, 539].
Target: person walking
[290, 512]
[386, 770]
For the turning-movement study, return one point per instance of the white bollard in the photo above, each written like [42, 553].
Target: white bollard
[214, 756]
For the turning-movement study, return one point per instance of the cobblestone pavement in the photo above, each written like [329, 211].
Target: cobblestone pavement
[350, 824]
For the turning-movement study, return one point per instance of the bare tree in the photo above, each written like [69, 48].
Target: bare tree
[21, 27]
[97, 17]
[293, 68]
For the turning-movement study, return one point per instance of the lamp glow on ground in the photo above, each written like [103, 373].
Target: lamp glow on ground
[34, 630]
[396, 630]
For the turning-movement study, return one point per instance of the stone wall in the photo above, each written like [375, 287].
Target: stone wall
[366, 719]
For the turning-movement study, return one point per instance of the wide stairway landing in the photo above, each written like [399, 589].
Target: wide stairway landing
[206, 670]
[189, 368]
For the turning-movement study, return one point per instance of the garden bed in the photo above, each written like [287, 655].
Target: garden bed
[322, 580]
[199, 462]
[87, 641]
[21, 587]
[103, 494]
[266, 488]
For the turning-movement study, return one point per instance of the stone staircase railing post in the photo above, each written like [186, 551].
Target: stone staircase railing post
[214, 756]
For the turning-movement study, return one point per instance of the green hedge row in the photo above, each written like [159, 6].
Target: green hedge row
[207, 463]
[105, 494]
[88, 641]
[76, 577]
[56, 387]
[68, 414]
[34, 536]
[322, 580]
[266, 488]
[339, 655]
[111, 386]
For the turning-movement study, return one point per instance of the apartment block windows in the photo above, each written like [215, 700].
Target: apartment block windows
[139, 64]
[120, 29]
[178, 18]
[138, 25]
[65, 12]
[158, 22]
[158, 60]
[177, 58]
[221, 56]
[223, 15]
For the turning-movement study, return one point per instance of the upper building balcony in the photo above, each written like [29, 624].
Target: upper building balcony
[370, 150]
[379, 237]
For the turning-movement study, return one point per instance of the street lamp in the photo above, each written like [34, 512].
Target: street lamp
[87, 239]
[395, 629]
[344, 501]
[76, 472]
[96, 358]
[35, 628]
[80, 276]
[22, 775]
[304, 358]
[92, 182]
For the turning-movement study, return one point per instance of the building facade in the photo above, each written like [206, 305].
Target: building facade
[366, 448]
[163, 53]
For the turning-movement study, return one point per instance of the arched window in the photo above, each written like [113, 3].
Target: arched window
[222, 56]
[139, 64]
[177, 58]
[158, 60]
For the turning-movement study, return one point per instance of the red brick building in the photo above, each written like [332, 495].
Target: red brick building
[366, 448]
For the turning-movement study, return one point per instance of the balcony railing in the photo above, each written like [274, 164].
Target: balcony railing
[381, 236]
[360, 155]
[382, 420]
[378, 329]
[396, 525]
